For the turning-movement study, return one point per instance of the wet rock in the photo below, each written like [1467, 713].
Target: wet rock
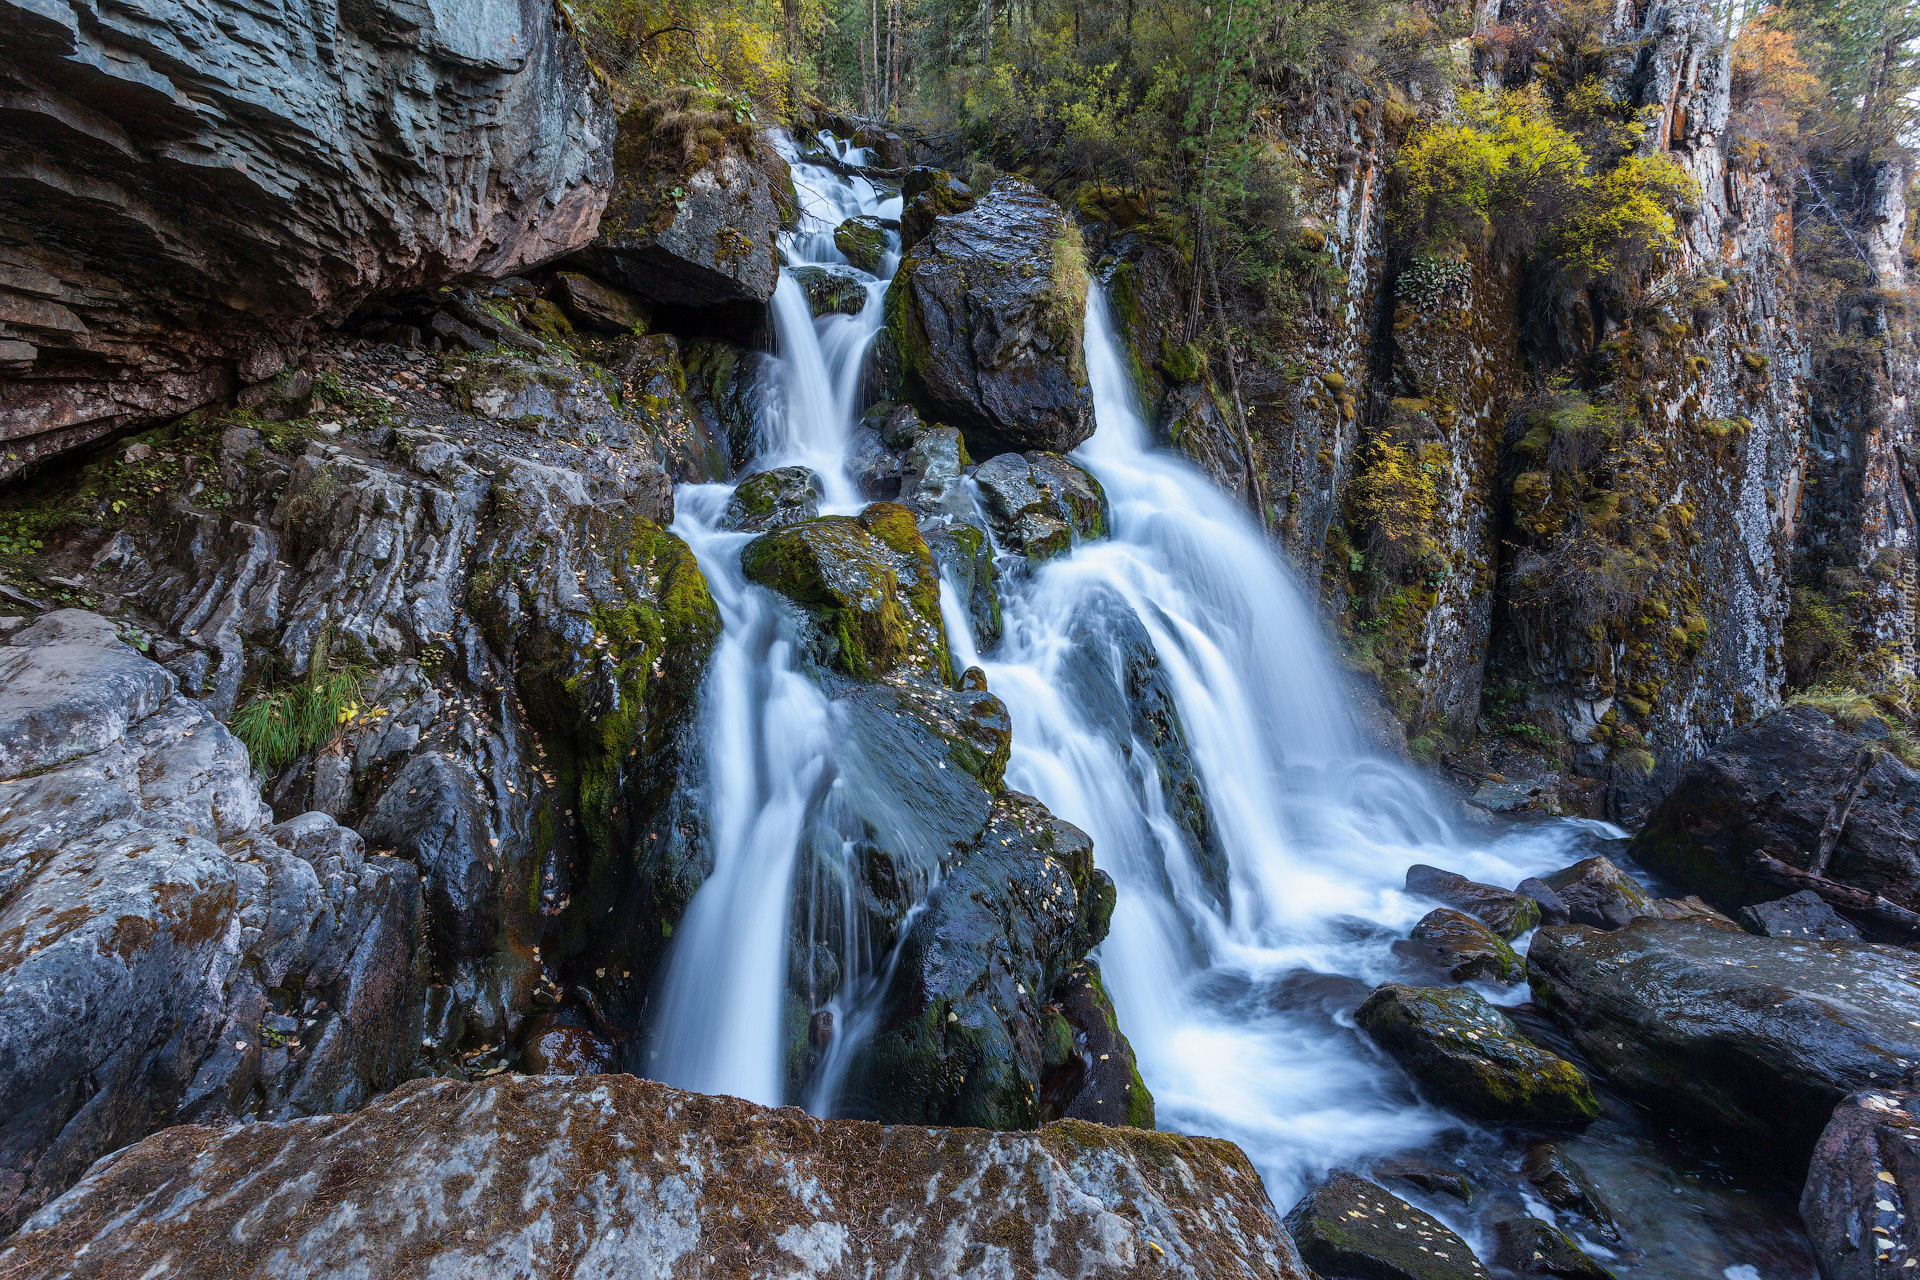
[869, 583]
[769, 499]
[1754, 1040]
[653, 384]
[1798, 915]
[965, 557]
[1553, 909]
[1350, 1227]
[1563, 1184]
[875, 470]
[168, 290]
[691, 223]
[1465, 949]
[929, 195]
[1437, 1179]
[985, 316]
[831, 290]
[960, 1038]
[554, 1048]
[1692, 907]
[442, 1176]
[1863, 1188]
[933, 478]
[1039, 504]
[1769, 789]
[1535, 1248]
[1596, 892]
[593, 305]
[726, 385]
[1096, 1078]
[1507, 912]
[1452, 1040]
[864, 240]
[166, 954]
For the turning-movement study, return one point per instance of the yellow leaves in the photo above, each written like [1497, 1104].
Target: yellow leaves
[1395, 493]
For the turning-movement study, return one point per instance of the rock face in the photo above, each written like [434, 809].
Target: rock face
[1451, 1039]
[1864, 1186]
[1755, 1040]
[168, 954]
[1770, 789]
[697, 200]
[530, 1177]
[986, 315]
[1350, 1227]
[191, 201]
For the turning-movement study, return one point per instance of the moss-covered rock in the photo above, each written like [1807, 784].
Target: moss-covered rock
[1535, 1248]
[1351, 1227]
[768, 499]
[1599, 893]
[1466, 950]
[724, 384]
[929, 195]
[1090, 1072]
[1040, 504]
[1452, 1040]
[870, 584]
[863, 240]
[1507, 912]
[831, 290]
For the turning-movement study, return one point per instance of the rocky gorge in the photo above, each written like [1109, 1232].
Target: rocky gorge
[598, 686]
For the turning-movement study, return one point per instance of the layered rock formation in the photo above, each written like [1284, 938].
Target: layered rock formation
[613, 1175]
[192, 202]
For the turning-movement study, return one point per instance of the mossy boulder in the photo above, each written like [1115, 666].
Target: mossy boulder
[929, 195]
[1505, 911]
[1597, 892]
[1348, 1226]
[1531, 1247]
[962, 1037]
[1465, 949]
[863, 240]
[1451, 1040]
[1088, 1068]
[1040, 504]
[769, 499]
[986, 319]
[869, 583]
[831, 290]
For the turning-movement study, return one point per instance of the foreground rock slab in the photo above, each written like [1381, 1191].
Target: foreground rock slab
[1350, 1227]
[612, 1175]
[1753, 1039]
[1859, 1201]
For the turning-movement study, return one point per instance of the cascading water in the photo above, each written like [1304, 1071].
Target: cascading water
[770, 731]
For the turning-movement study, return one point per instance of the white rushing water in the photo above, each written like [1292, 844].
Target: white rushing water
[1234, 1013]
[770, 729]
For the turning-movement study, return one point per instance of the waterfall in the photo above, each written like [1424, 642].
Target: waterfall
[1237, 1010]
[770, 733]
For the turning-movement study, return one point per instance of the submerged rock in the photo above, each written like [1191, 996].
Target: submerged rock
[1862, 1199]
[1452, 1040]
[1563, 1184]
[526, 1177]
[1039, 503]
[1507, 912]
[1535, 1248]
[1350, 1227]
[1466, 950]
[985, 316]
[1752, 1039]
[1770, 789]
[1798, 915]
[1598, 893]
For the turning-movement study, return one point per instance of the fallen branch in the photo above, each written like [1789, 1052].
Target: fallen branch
[1847, 898]
[1842, 805]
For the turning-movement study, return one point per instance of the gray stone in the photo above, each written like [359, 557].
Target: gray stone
[1863, 1187]
[1798, 915]
[1596, 892]
[1040, 504]
[593, 305]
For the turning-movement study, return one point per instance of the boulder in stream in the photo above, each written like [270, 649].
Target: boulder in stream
[1596, 892]
[1348, 1226]
[863, 240]
[831, 290]
[770, 499]
[1466, 950]
[1507, 912]
[1862, 1199]
[1535, 1248]
[1798, 915]
[1468, 1052]
[986, 317]
[529, 1177]
[1040, 504]
[1754, 1040]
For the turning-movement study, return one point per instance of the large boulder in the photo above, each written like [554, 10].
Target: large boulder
[169, 954]
[1467, 1051]
[986, 318]
[698, 199]
[1348, 1226]
[187, 201]
[1755, 1040]
[611, 1175]
[1770, 789]
[1039, 504]
[1863, 1188]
